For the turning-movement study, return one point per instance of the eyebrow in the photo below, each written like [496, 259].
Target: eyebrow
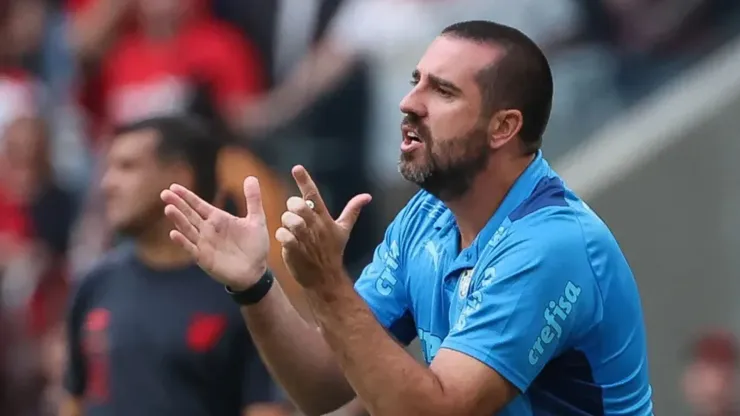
[438, 81]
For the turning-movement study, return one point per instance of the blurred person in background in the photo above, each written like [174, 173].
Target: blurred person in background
[149, 333]
[143, 58]
[21, 29]
[163, 57]
[36, 216]
[655, 40]
[710, 379]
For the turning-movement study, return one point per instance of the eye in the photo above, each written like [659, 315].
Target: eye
[414, 82]
[443, 92]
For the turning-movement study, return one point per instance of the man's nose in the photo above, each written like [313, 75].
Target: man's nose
[106, 182]
[412, 103]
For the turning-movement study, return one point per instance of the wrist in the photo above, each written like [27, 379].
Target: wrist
[330, 288]
[254, 293]
[254, 277]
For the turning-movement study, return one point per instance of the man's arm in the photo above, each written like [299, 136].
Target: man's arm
[260, 395]
[490, 355]
[328, 62]
[95, 26]
[389, 380]
[296, 353]
[324, 67]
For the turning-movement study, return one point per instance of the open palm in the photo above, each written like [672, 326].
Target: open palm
[231, 249]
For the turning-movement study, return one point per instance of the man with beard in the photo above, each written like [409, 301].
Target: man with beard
[149, 333]
[520, 295]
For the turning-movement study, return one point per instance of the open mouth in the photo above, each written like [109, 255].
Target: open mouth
[411, 140]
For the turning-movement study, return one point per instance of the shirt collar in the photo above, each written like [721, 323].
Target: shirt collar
[519, 192]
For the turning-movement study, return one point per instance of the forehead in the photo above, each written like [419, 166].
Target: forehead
[135, 144]
[457, 60]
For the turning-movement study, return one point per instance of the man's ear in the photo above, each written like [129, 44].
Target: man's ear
[505, 125]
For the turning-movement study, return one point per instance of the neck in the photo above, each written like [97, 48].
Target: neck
[154, 248]
[474, 209]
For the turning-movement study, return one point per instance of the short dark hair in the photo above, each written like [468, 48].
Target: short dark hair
[522, 79]
[187, 139]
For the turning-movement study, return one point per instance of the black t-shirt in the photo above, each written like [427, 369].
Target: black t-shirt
[149, 342]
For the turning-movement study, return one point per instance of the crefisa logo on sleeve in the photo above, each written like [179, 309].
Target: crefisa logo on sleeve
[556, 312]
[386, 280]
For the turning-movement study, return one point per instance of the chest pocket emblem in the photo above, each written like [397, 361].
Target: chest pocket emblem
[464, 284]
[204, 331]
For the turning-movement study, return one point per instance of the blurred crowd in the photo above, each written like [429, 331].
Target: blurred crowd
[315, 82]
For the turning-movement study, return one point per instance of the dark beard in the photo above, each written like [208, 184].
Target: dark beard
[449, 171]
[142, 223]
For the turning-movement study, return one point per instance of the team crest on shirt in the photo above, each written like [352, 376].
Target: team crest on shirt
[205, 331]
[464, 285]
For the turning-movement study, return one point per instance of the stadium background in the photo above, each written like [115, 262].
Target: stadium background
[644, 127]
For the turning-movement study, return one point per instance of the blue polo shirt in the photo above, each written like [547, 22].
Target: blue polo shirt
[544, 296]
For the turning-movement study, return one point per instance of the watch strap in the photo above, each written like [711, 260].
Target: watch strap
[255, 293]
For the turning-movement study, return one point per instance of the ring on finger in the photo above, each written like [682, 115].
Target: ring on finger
[310, 204]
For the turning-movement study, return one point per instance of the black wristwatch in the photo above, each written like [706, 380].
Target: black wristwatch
[255, 293]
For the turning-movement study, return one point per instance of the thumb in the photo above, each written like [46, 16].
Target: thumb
[351, 212]
[253, 197]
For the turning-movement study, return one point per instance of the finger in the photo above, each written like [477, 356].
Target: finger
[285, 238]
[351, 211]
[253, 197]
[179, 204]
[294, 223]
[183, 242]
[203, 208]
[300, 207]
[309, 190]
[181, 223]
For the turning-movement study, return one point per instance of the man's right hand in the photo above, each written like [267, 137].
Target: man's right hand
[232, 250]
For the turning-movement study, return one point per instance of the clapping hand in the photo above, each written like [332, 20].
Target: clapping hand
[312, 241]
[231, 249]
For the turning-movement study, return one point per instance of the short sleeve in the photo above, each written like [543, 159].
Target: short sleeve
[382, 285]
[75, 372]
[531, 298]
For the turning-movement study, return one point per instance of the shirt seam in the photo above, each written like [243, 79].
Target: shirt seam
[588, 257]
[590, 264]
[504, 370]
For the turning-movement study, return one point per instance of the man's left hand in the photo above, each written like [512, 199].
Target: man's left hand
[313, 242]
